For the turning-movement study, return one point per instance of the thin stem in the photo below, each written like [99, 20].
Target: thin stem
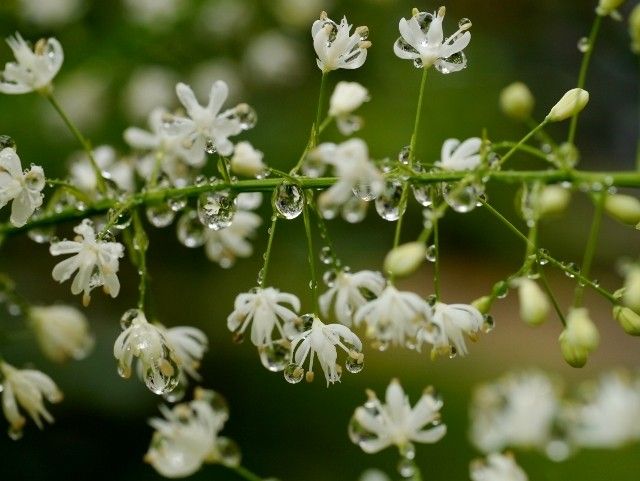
[552, 298]
[533, 151]
[267, 255]
[590, 249]
[140, 245]
[522, 141]
[402, 207]
[324, 234]
[323, 87]
[582, 76]
[246, 474]
[311, 254]
[638, 141]
[542, 135]
[416, 124]
[436, 267]
[84, 142]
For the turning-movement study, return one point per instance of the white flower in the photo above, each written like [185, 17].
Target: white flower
[28, 389]
[247, 161]
[460, 156]
[187, 437]
[355, 171]
[95, 260]
[225, 245]
[346, 98]
[23, 188]
[334, 45]
[321, 340]
[62, 332]
[189, 345]
[395, 317]
[421, 40]
[349, 292]
[609, 414]
[497, 467]
[149, 87]
[263, 309]
[120, 171]
[148, 343]
[377, 426]
[454, 321]
[33, 69]
[623, 208]
[274, 58]
[517, 410]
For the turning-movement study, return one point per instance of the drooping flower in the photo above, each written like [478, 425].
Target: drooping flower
[454, 321]
[189, 345]
[518, 410]
[61, 331]
[247, 161]
[26, 388]
[148, 343]
[460, 156]
[321, 340]
[34, 69]
[608, 414]
[336, 47]
[422, 40]
[263, 309]
[23, 188]
[120, 171]
[376, 426]
[188, 437]
[96, 261]
[497, 467]
[349, 292]
[346, 98]
[395, 317]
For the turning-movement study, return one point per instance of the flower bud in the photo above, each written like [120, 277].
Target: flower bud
[405, 259]
[247, 161]
[607, 7]
[61, 331]
[553, 200]
[631, 292]
[483, 304]
[534, 304]
[623, 208]
[629, 320]
[634, 28]
[569, 105]
[579, 338]
[346, 98]
[516, 101]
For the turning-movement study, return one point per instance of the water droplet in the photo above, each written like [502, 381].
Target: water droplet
[191, 232]
[210, 147]
[423, 194]
[244, 114]
[461, 198]
[489, 323]
[42, 235]
[326, 255]
[201, 180]
[288, 200]
[358, 433]
[354, 365]
[216, 209]
[406, 467]
[329, 277]
[404, 156]
[275, 356]
[177, 204]
[354, 210]
[163, 374]
[464, 23]
[119, 220]
[571, 269]
[501, 289]
[364, 192]
[453, 352]
[388, 203]
[431, 253]
[128, 318]
[178, 392]
[160, 215]
[228, 451]
[408, 451]
[14, 433]
[584, 45]
[293, 373]
[542, 257]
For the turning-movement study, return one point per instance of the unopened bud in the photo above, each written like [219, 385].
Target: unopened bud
[516, 101]
[534, 304]
[247, 161]
[631, 292]
[483, 304]
[403, 260]
[553, 200]
[579, 338]
[634, 28]
[628, 319]
[569, 105]
[623, 208]
[607, 7]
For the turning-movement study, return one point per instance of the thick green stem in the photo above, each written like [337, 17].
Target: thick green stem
[590, 249]
[582, 76]
[311, 254]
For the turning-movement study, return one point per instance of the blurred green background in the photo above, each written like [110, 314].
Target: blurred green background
[120, 60]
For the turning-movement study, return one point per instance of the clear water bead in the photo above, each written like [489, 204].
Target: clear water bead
[326, 255]
[423, 194]
[160, 215]
[404, 155]
[128, 317]
[210, 147]
[584, 45]
[275, 356]
[388, 203]
[461, 198]
[293, 373]
[431, 253]
[228, 451]
[288, 200]
[354, 210]
[364, 192]
[191, 232]
[216, 209]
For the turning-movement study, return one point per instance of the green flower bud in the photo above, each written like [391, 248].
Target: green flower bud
[607, 7]
[623, 208]
[579, 338]
[534, 304]
[631, 291]
[405, 259]
[628, 319]
[516, 101]
[483, 304]
[634, 28]
[553, 200]
[569, 105]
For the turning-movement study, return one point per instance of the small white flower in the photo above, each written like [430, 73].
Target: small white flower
[120, 171]
[247, 161]
[377, 426]
[34, 69]
[395, 317]
[454, 321]
[349, 292]
[149, 87]
[336, 47]
[422, 40]
[497, 467]
[355, 172]
[23, 188]
[518, 410]
[321, 340]
[28, 389]
[609, 414]
[263, 308]
[460, 156]
[96, 262]
[62, 332]
[187, 437]
[346, 98]
[225, 245]
[189, 345]
[148, 343]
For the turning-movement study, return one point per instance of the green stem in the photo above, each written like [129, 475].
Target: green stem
[552, 298]
[246, 474]
[582, 77]
[590, 249]
[533, 151]
[321, 96]
[436, 267]
[311, 254]
[324, 234]
[267, 255]
[522, 141]
[140, 245]
[84, 142]
[416, 123]
[542, 135]
[638, 141]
